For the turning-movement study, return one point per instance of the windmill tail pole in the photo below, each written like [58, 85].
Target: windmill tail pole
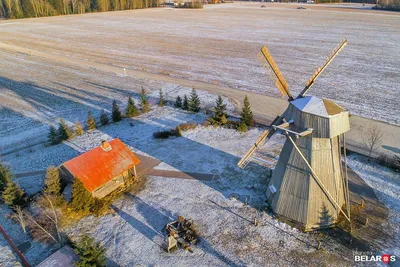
[321, 185]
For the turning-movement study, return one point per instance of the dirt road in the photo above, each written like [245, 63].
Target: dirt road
[265, 108]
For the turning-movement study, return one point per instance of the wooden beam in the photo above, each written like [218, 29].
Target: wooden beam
[318, 72]
[268, 61]
[287, 131]
[134, 171]
[264, 137]
[346, 178]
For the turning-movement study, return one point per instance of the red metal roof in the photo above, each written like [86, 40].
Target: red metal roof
[98, 166]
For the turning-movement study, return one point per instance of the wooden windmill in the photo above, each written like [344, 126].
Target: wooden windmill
[309, 185]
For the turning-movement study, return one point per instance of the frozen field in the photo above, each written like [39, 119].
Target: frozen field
[219, 45]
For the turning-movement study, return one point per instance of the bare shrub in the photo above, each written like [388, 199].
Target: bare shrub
[168, 133]
[187, 126]
[390, 162]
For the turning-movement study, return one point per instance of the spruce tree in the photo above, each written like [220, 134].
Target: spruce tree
[52, 181]
[90, 253]
[131, 109]
[81, 198]
[116, 112]
[144, 101]
[220, 110]
[63, 132]
[246, 116]
[90, 121]
[104, 118]
[161, 101]
[5, 175]
[185, 104]
[12, 194]
[53, 137]
[194, 102]
[78, 128]
[178, 102]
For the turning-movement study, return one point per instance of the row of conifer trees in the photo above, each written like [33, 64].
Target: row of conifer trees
[64, 132]
[15, 9]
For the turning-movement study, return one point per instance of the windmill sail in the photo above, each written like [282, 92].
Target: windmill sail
[318, 72]
[268, 63]
[264, 137]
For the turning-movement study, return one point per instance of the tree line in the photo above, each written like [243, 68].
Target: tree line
[17, 9]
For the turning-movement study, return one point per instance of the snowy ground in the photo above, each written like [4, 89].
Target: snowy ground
[133, 235]
[386, 185]
[219, 43]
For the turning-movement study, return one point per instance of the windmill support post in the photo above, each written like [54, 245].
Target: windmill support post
[321, 185]
[346, 178]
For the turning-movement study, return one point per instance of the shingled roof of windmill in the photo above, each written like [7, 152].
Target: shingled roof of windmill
[317, 106]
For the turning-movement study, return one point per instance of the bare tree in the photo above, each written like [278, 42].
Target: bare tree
[44, 226]
[372, 139]
[54, 218]
[39, 228]
[18, 215]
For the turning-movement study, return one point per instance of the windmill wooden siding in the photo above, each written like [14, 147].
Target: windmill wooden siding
[103, 169]
[299, 198]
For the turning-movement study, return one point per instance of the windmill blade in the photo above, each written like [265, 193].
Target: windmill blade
[268, 63]
[318, 72]
[264, 137]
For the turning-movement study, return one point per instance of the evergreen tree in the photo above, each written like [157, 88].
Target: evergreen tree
[185, 104]
[5, 175]
[90, 121]
[144, 101]
[246, 116]
[178, 102]
[104, 118]
[194, 102]
[116, 112]
[131, 109]
[90, 253]
[161, 101]
[63, 132]
[53, 137]
[81, 198]
[78, 128]
[220, 110]
[12, 194]
[52, 181]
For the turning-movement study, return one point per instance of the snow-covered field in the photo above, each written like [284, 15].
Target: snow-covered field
[133, 234]
[219, 45]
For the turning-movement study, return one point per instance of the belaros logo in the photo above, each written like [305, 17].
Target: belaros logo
[368, 257]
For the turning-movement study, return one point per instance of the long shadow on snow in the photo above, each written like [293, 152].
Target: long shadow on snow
[156, 219]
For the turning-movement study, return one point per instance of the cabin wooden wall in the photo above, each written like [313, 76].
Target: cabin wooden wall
[111, 185]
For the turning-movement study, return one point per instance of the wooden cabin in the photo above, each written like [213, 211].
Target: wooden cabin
[103, 169]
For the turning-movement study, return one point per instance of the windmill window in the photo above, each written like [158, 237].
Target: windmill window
[272, 189]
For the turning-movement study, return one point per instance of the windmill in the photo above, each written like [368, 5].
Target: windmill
[309, 185]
